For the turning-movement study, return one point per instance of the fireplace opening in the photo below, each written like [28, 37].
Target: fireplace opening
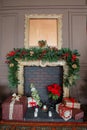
[41, 77]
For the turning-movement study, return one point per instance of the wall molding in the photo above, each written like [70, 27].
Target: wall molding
[43, 7]
[21, 3]
[40, 4]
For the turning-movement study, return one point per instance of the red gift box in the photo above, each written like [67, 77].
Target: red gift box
[16, 110]
[64, 112]
[71, 103]
[77, 114]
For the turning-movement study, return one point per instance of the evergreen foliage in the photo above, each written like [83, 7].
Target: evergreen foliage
[50, 54]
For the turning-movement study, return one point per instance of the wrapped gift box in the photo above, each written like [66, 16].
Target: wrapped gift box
[77, 114]
[71, 103]
[64, 112]
[14, 110]
[31, 102]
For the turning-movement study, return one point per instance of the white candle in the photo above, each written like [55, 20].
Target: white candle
[35, 114]
[50, 114]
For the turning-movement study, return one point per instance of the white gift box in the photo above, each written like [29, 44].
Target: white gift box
[64, 112]
[31, 102]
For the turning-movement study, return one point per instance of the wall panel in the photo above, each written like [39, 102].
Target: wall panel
[78, 35]
[8, 41]
[78, 40]
[8, 33]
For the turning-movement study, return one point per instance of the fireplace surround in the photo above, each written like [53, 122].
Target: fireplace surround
[40, 73]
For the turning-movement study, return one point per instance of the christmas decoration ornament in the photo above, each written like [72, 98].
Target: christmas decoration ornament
[35, 95]
[31, 53]
[11, 65]
[44, 54]
[74, 66]
[54, 91]
[42, 43]
[64, 112]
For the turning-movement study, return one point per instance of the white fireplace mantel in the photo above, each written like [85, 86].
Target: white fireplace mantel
[21, 65]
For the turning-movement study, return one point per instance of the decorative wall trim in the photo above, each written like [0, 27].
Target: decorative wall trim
[18, 3]
[44, 16]
[41, 7]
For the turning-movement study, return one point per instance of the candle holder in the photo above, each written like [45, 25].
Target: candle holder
[45, 108]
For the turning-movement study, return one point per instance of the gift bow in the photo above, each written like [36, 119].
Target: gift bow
[15, 97]
[32, 103]
[70, 100]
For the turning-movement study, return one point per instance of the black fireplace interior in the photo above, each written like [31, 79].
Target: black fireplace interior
[41, 77]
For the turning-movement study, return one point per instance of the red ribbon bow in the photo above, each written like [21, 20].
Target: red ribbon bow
[70, 100]
[32, 103]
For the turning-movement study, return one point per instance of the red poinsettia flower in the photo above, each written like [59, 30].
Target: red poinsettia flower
[74, 57]
[12, 53]
[54, 91]
[49, 88]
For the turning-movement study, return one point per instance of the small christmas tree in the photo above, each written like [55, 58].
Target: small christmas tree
[35, 95]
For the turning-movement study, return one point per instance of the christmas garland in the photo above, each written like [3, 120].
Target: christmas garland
[50, 54]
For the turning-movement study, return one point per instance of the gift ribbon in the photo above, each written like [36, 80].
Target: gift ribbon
[11, 107]
[62, 109]
[11, 110]
[70, 100]
[32, 103]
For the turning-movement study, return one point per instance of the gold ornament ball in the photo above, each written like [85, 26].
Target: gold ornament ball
[11, 65]
[74, 66]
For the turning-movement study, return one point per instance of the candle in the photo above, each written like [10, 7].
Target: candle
[35, 114]
[50, 114]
